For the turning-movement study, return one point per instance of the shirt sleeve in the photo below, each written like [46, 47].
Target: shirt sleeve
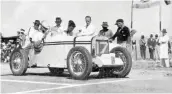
[115, 35]
[30, 32]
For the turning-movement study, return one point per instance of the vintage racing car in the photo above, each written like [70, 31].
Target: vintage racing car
[80, 55]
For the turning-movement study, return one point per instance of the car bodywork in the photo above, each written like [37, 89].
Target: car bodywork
[56, 48]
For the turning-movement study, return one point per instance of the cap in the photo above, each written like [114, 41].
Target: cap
[119, 20]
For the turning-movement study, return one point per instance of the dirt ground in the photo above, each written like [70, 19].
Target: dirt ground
[145, 77]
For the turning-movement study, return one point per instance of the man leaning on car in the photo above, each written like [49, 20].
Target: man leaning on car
[122, 34]
[36, 37]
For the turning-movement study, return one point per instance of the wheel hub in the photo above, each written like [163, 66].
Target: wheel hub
[16, 61]
[77, 63]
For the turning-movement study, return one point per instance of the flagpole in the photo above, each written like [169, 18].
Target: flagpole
[132, 14]
[132, 27]
[160, 16]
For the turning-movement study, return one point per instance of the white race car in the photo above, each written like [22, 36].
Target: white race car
[80, 55]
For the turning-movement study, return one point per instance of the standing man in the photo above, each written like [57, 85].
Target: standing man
[89, 29]
[151, 46]
[164, 56]
[105, 31]
[122, 34]
[157, 44]
[34, 44]
[142, 43]
[58, 29]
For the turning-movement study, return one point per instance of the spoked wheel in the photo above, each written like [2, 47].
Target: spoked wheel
[79, 63]
[18, 62]
[56, 71]
[125, 56]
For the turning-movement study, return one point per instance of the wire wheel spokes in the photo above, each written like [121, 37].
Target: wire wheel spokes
[123, 58]
[78, 62]
[16, 61]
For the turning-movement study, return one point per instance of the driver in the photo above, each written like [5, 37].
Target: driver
[89, 29]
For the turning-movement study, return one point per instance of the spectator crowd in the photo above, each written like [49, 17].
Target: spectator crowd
[159, 48]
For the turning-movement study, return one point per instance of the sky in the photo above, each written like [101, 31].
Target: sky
[18, 14]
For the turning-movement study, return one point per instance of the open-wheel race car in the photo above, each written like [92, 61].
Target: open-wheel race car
[80, 55]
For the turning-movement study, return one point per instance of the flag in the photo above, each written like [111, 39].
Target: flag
[148, 3]
[145, 4]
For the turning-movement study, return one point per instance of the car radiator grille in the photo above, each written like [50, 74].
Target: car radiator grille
[102, 47]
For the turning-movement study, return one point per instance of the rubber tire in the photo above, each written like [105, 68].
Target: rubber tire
[88, 58]
[56, 71]
[127, 69]
[24, 64]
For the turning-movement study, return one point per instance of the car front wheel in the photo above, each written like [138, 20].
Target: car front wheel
[125, 56]
[79, 63]
[18, 62]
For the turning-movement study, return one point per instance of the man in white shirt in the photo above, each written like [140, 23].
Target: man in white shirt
[33, 29]
[89, 29]
[58, 29]
[30, 34]
[35, 44]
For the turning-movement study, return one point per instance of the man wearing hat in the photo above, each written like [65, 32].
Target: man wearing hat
[122, 34]
[164, 56]
[34, 39]
[31, 32]
[105, 31]
[151, 45]
[34, 28]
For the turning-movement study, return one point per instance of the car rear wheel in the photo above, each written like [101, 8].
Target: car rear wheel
[125, 56]
[18, 62]
[56, 71]
[79, 63]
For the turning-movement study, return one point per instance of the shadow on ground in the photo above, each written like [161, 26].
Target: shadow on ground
[66, 75]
